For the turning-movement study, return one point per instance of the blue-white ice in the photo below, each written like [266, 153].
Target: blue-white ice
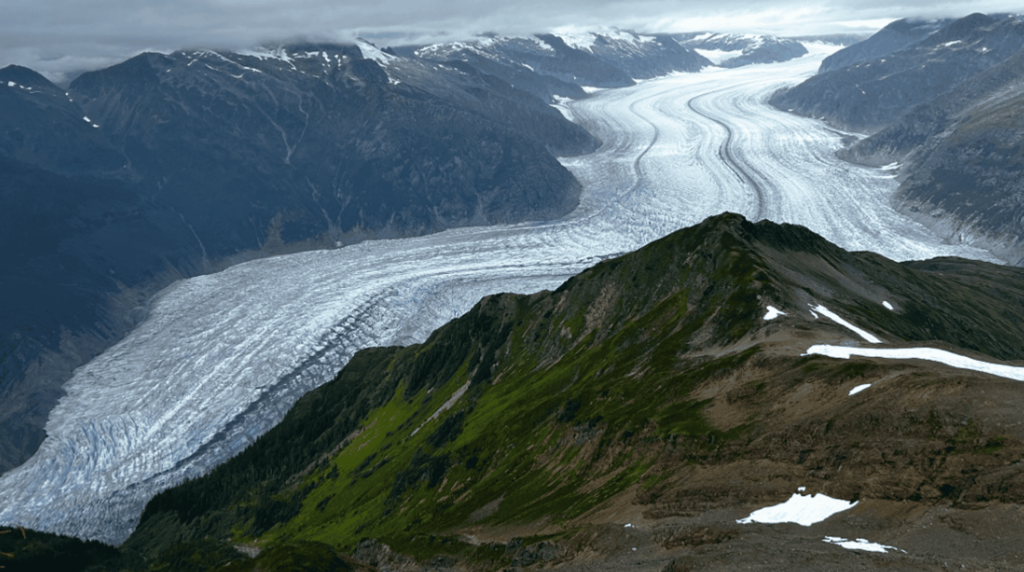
[222, 357]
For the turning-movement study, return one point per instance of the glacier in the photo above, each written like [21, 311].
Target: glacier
[222, 357]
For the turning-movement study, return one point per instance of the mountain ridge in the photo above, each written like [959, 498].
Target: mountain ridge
[531, 416]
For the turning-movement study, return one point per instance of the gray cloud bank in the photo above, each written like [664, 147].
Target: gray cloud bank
[60, 38]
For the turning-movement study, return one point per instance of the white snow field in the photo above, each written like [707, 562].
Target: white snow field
[928, 354]
[222, 357]
[804, 510]
[860, 544]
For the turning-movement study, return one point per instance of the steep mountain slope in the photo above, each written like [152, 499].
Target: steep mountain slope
[548, 64]
[642, 56]
[632, 416]
[736, 50]
[72, 241]
[894, 37]
[867, 96]
[174, 165]
[961, 156]
[947, 108]
[330, 143]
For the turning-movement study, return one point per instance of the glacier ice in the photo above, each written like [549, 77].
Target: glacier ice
[222, 357]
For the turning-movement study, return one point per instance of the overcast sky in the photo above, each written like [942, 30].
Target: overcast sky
[61, 37]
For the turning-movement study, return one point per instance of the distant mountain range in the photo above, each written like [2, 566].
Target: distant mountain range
[736, 50]
[943, 99]
[634, 416]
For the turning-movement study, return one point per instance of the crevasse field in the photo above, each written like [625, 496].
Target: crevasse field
[222, 357]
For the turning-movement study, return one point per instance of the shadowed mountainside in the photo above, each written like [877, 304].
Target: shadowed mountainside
[168, 166]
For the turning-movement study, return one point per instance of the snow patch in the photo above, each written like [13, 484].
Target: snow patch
[860, 544]
[835, 318]
[773, 313]
[887, 305]
[371, 52]
[859, 388]
[583, 42]
[445, 407]
[592, 89]
[86, 118]
[928, 354]
[718, 56]
[268, 54]
[803, 510]
[11, 84]
[561, 104]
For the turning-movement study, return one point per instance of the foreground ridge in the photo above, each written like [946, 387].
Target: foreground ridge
[647, 404]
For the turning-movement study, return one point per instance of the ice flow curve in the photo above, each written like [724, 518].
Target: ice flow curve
[222, 357]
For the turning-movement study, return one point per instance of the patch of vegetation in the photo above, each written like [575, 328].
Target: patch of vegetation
[23, 550]
[197, 556]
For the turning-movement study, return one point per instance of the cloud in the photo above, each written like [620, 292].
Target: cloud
[62, 37]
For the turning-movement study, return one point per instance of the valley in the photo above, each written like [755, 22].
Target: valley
[221, 358]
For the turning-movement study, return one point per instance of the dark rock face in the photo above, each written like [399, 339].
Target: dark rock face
[962, 155]
[644, 57]
[867, 96]
[547, 64]
[754, 49]
[889, 39]
[505, 58]
[329, 142]
[167, 166]
[948, 107]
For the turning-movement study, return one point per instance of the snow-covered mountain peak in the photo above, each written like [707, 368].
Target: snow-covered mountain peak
[586, 41]
[734, 50]
[372, 52]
